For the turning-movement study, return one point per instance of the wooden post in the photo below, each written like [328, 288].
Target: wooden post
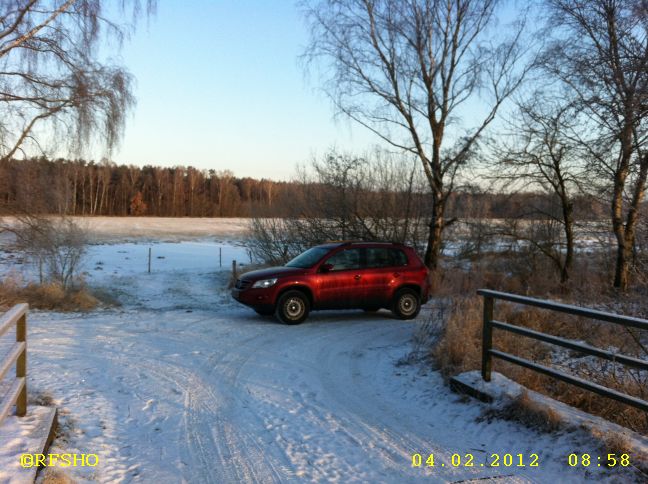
[487, 339]
[220, 257]
[234, 269]
[21, 365]
[149, 261]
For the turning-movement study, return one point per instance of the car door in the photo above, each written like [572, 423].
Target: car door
[383, 271]
[377, 276]
[342, 285]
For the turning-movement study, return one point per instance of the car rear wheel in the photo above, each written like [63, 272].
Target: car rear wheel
[406, 304]
[292, 307]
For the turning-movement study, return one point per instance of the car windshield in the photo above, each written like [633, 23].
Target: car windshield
[309, 258]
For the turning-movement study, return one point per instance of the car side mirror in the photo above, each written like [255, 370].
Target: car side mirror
[326, 267]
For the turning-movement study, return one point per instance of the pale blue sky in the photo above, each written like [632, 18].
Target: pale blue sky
[219, 86]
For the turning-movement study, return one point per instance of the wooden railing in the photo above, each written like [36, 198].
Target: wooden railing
[488, 352]
[17, 394]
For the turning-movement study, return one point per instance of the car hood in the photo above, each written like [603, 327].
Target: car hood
[272, 272]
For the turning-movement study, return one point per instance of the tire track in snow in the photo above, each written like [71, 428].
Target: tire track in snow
[237, 446]
[396, 435]
[250, 401]
[342, 418]
[383, 437]
[229, 368]
[209, 435]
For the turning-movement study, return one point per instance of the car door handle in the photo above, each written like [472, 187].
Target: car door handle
[396, 274]
[357, 277]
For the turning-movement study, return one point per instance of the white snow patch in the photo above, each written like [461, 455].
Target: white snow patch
[224, 395]
[181, 384]
[503, 389]
[22, 435]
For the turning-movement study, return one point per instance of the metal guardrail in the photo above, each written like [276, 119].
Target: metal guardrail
[488, 352]
[17, 394]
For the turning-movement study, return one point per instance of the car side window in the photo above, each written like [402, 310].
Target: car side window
[345, 260]
[379, 257]
[398, 257]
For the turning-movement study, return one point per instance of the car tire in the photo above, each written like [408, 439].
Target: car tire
[406, 304]
[264, 312]
[292, 307]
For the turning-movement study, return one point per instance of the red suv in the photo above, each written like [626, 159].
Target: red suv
[343, 275]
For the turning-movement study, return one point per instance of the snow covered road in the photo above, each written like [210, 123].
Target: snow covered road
[227, 396]
[181, 384]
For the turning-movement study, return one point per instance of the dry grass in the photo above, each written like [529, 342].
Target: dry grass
[619, 444]
[43, 399]
[615, 443]
[459, 347]
[50, 296]
[589, 280]
[525, 410]
[52, 475]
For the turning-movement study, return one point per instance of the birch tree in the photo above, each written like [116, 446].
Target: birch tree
[55, 93]
[600, 53]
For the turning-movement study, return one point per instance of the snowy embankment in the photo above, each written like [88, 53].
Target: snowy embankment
[180, 384]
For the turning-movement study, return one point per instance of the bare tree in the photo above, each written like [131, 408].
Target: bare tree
[601, 55]
[406, 69]
[52, 87]
[345, 197]
[538, 152]
[57, 245]
[274, 240]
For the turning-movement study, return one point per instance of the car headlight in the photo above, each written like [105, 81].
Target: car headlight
[264, 283]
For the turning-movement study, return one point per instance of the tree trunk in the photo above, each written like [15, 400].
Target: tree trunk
[625, 234]
[568, 218]
[622, 267]
[621, 270]
[433, 251]
[74, 193]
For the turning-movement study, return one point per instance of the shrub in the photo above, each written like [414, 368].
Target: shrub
[527, 411]
[346, 198]
[57, 246]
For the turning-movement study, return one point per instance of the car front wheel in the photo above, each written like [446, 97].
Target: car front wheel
[406, 304]
[292, 307]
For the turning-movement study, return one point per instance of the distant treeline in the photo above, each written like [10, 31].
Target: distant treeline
[78, 187]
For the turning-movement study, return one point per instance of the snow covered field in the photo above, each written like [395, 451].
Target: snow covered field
[181, 384]
[162, 228]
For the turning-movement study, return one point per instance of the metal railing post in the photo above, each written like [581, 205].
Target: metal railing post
[21, 365]
[487, 339]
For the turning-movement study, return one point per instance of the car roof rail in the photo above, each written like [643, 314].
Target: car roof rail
[357, 242]
[386, 242]
[341, 242]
